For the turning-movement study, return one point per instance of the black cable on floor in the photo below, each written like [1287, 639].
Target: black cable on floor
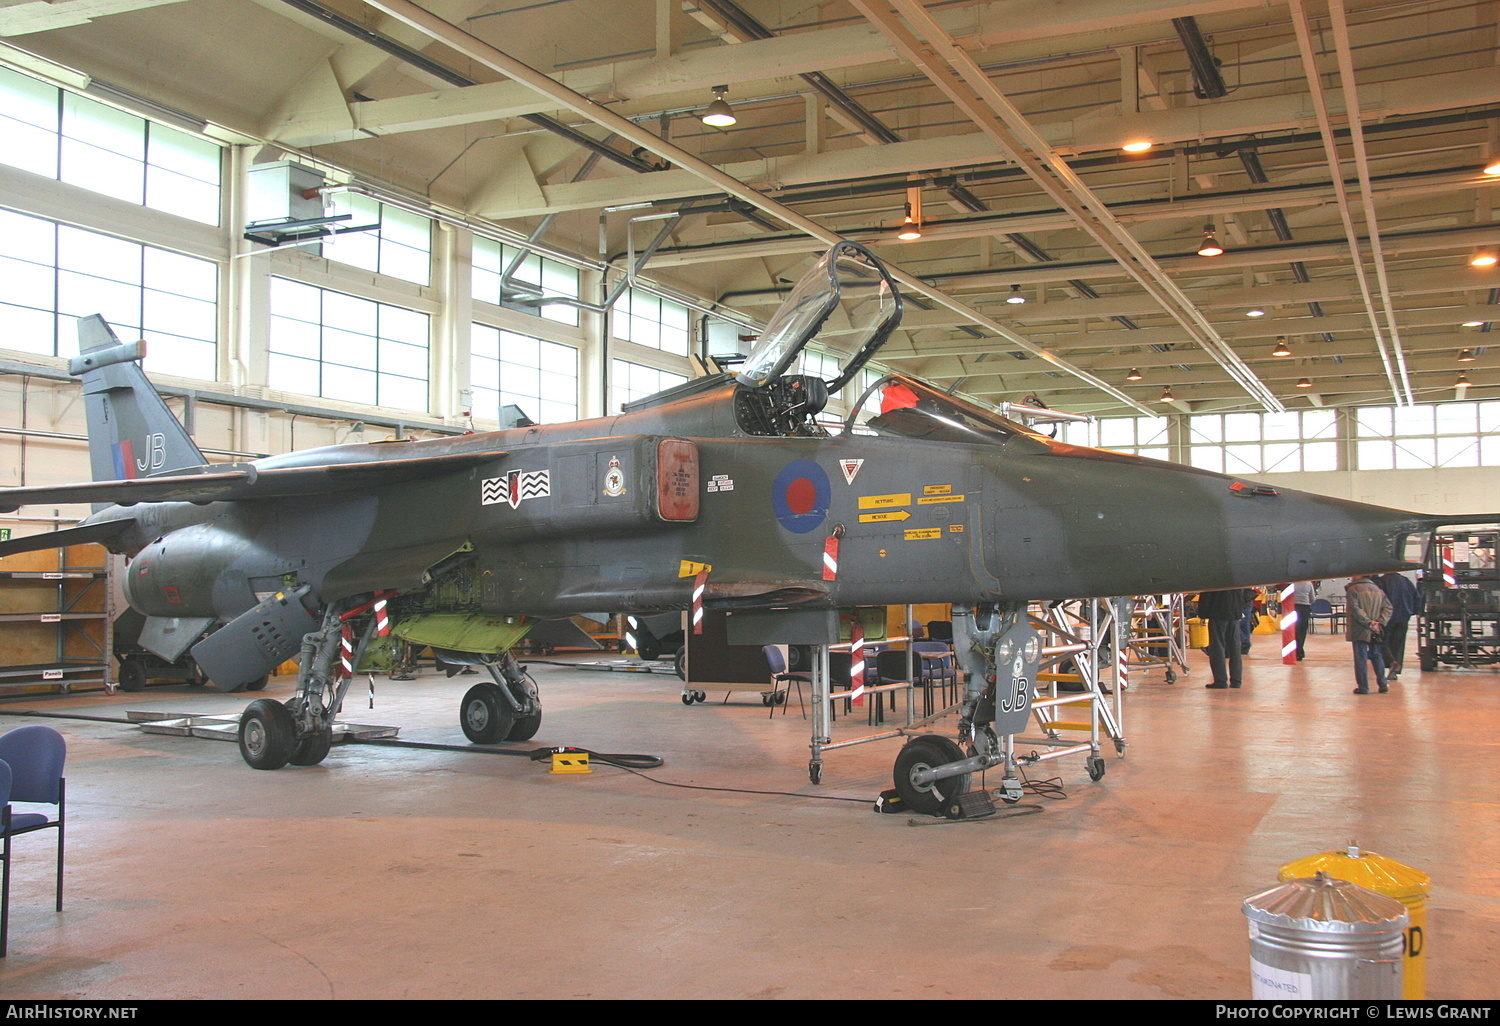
[624, 761]
[64, 716]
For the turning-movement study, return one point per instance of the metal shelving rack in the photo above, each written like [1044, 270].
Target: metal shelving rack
[66, 601]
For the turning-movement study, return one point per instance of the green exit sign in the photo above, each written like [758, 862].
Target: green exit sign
[4, 534]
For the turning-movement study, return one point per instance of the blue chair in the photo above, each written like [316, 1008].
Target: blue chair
[936, 669]
[33, 759]
[782, 678]
[1322, 609]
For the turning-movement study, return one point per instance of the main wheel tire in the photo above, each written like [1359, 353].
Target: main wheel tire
[309, 751]
[132, 675]
[267, 734]
[928, 752]
[525, 727]
[485, 714]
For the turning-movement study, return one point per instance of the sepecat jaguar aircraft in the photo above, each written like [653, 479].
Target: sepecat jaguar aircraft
[736, 484]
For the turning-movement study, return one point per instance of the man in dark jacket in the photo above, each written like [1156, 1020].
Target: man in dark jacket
[1406, 602]
[1223, 611]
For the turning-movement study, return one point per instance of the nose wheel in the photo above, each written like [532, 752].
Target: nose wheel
[921, 755]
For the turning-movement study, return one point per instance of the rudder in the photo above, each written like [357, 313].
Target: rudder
[132, 433]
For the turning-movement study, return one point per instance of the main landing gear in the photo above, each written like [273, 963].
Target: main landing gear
[299, 731]
[505, 709]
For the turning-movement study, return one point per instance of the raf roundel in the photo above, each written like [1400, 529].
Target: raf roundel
[799, 496]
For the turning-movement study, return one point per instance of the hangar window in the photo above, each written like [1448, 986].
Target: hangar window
[1140, 436]
[540, 377]
[52, 274]
[651, 321]
[1430, 435]
[533, 276]
[49, 131]
[401, 247]
[631, 381]
[1264, 443]
[337, 346]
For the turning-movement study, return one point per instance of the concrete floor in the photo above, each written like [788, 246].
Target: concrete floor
[399, 873]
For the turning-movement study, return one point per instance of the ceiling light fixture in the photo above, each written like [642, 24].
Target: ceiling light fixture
[1015, 298]
[1166, 394]
[1473, 324]
[1210, 246]
[1281, 347]
[1483, 258]
[719, 114]
[1463, 381]
[1255, 312]
[1466, 356]
[1142, 145]
[1134, 375]
[1303, 383]
[1492, 166]
[911, 224]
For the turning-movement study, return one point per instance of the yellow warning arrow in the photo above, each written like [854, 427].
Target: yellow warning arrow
[880, 518]
[687, 568]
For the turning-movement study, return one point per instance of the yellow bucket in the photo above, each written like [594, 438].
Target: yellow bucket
[1197, 633]
[1384, 876]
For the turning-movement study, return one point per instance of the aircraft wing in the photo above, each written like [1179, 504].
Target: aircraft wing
[90, 533]
[234, 481]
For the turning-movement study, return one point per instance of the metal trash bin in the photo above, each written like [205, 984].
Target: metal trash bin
[1325, 939]
[1383, 876]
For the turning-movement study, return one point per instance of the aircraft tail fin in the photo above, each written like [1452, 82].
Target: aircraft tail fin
[131, 432]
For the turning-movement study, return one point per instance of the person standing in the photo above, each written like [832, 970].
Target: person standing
[1248, 620]
[1406, 602]
[1366, 612]
[1303, 593]
[1223, 610]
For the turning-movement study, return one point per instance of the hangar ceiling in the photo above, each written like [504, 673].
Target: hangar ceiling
[1005, 119]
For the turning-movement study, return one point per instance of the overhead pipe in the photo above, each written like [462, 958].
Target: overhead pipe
[1344, 52]
[433, 68]
[1400, 389]
[478, 50]
[1207, 82]
[919, 37]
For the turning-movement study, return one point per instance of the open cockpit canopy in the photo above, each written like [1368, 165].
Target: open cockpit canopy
[847, 303]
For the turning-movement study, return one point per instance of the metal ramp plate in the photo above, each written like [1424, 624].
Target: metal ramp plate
[227, 728]
[620, 665]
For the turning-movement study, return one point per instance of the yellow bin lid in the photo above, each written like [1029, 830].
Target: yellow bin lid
[1366, 868]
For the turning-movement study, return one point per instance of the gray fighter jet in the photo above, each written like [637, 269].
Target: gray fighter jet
[732, 484]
